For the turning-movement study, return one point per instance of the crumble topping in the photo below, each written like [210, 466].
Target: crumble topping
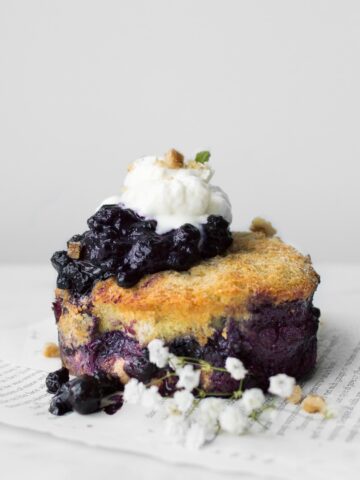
[73, 250]
[118, 368]
[51, 350]
[261, 225]
[314, 404]
[174, 159]
[296, 396]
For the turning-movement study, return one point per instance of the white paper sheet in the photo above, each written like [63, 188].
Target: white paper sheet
[295, 444]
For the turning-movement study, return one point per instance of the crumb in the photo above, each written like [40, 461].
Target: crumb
[73, 250]
[118, 368]
[313, 404]
[195, 165]
[51, 350]
[296, 395]
[174, 159]
[261, 225]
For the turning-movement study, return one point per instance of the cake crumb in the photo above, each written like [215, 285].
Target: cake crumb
[73, 250]
[261, 225]
[296, 395]
[174, 159]
[51, 350]
[314, 404]
[118, 369]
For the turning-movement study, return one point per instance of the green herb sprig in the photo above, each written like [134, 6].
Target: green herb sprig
[202, 157]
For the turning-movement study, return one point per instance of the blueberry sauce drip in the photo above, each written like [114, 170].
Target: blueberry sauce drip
[122, 244]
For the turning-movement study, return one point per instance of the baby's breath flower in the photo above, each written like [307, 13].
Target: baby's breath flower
[189, 378]
[175, 428]
[210, 424]
[184, 400]
[281, 385]
[236, 368]
[252, 399]
[151, 398]
[210, 408]
[195, 436]
[233, 420]
[158, 353]
[133, 391]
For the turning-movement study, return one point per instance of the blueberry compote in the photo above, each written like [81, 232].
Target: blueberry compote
[120, 243]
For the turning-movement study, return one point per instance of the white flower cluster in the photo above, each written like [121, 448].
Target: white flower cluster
[281, 385]
[195, 421]
[158, 353]
[236, 368]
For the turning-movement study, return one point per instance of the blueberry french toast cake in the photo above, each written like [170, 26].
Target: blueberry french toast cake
[160, 262]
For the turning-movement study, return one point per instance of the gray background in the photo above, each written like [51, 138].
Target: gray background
[272, 88]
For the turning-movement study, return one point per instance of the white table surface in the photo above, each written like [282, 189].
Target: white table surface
[25, 298]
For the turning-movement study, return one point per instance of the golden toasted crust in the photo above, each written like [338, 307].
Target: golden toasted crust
[169, 304]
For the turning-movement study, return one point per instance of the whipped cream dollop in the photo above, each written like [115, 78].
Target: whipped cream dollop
[172, 192]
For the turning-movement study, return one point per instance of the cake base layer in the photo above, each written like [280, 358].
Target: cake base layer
[274, 338]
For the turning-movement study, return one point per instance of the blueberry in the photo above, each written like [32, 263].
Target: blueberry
[78, 275]
[106, 215]
[217, 236]
[126, 218]
[186, 234]
[99, 251]
[63, 281]
[115, 405]
[60, 403]
[140, 368]
[108, 385]
[59, 260]
[85, 394]
[139, 254]
[182, 258]
[127, 278]
[56, 379]
[140, 229]
[114, 216]
[76, 278]
[58, 406]
[185, 347]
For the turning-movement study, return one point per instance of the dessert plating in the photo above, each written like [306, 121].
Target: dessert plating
[254, 303]
[156, 265]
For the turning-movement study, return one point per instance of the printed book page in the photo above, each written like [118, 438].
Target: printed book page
[291, 445]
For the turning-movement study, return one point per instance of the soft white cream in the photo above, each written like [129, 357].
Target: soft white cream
[172, 196]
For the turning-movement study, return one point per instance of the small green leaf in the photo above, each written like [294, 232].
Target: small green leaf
[202, 157]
